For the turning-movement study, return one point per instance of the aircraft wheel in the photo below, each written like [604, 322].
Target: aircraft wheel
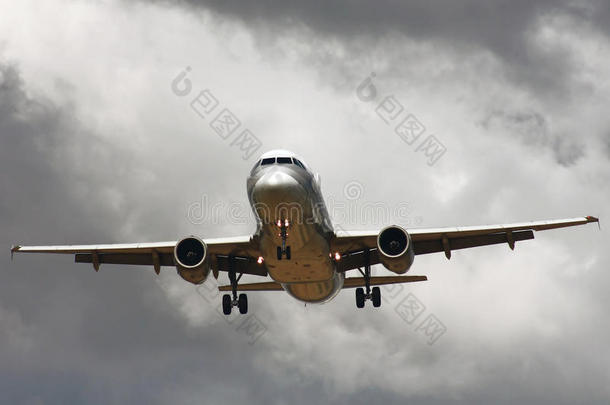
[226, 304]
[242, 303]
[288, 252]
[279, 253]
[376, 297]
[360, 297]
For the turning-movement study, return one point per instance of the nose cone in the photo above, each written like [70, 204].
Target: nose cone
[275, 187]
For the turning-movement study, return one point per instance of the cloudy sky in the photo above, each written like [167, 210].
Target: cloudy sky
[97, 146]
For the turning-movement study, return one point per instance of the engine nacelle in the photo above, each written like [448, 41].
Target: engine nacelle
[191, 258]
[395, 249]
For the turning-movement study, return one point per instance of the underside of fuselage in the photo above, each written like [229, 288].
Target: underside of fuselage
[292, 218]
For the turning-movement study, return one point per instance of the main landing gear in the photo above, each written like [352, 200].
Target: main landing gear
[232, 300]
[373, 294]
[283, 250]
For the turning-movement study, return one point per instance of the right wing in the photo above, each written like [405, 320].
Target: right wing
[351, 244]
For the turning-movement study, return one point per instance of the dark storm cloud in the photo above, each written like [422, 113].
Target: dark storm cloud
[504, 28]
[371, 34]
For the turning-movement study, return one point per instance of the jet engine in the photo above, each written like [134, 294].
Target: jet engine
[395, 249]
[192, 263]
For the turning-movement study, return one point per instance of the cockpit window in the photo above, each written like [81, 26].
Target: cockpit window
[286, 160]
[267, 161]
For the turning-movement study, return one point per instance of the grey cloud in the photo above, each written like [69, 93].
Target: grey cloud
[533, 130]
[372, 34]
[503, 27]
[70, 335]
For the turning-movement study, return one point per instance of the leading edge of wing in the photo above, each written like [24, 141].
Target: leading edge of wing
[104, 248]
[418, 234]
[146, 247]
[434, 233]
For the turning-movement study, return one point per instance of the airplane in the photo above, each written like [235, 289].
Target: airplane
[296, 246]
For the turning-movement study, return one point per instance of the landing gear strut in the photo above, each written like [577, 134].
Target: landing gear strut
[373, 294]
[232, 300]
[283, 250]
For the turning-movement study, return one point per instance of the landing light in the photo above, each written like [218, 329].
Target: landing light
[337, 256]
[260, 260]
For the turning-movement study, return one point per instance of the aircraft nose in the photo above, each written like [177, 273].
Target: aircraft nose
[277, 187]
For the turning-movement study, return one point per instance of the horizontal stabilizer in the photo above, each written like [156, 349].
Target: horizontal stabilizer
[267, 286]
[350, 282]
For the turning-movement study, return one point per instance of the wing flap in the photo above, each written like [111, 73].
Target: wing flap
[136, 259]
[436, 245]
[355, 259]
[245, 265]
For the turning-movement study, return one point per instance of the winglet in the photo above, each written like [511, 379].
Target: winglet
[593, 219]
[14, 248]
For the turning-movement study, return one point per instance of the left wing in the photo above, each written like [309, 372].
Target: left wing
[351, 244]
[158, 254]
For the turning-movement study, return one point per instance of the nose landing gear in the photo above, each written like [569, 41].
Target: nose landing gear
[283, 250]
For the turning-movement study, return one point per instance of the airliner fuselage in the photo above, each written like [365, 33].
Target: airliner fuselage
[286, 198]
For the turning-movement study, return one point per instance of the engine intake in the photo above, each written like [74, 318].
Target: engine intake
[395, 249]
[190, 256]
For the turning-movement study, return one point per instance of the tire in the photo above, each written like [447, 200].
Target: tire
[288, 252]
[376, 296]
[226, 304]
[279, 253]
[242, 303]
[360, 297]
